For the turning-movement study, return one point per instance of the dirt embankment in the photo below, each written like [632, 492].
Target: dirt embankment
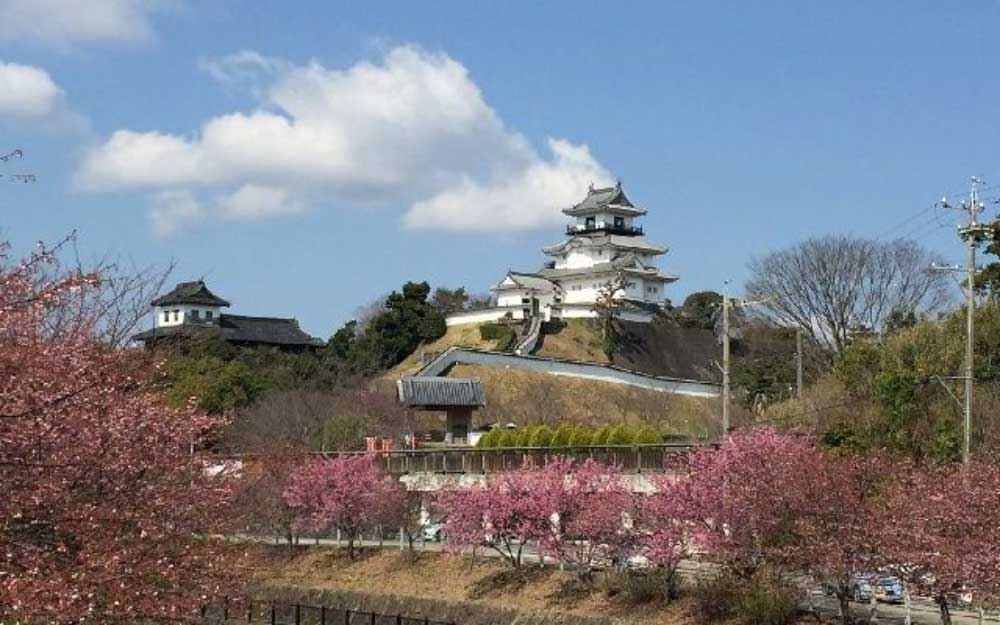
[455, 589]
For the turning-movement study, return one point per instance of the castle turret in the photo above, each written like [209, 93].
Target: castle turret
[188, 303]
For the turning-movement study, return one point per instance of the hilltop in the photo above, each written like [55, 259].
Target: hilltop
[660, 348]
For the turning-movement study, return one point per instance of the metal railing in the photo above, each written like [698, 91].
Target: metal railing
[608, 228]
[650, 458]
[303, 614]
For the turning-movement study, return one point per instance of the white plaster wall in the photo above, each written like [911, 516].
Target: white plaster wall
[477, 316]
[183, 313]
[510, 298]
[581, 291]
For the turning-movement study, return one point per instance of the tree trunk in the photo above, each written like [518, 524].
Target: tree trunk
[350, 546]
[844, 605]
[942, 602]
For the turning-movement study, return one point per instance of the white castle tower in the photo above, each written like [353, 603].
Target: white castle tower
[605, 241]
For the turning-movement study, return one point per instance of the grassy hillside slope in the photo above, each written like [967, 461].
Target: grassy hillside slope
[528, 397]
[463, 335]
[455, 579]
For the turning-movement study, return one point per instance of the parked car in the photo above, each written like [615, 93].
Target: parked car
[431, 532]
[885, 588]
[861, 587]
[889, 589]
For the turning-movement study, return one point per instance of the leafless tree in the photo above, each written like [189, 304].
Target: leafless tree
[112, 312]
[607, 307]
[365, 313]
[284, 420]
[124, 303]
[835, 285]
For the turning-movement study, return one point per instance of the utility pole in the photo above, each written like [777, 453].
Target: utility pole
[725, 364]
[798, 362]
[727, 303]
[972, 234]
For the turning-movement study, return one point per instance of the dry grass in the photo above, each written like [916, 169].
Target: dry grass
[528, 397]
[577, 340]
[458, 579]
[463, 335]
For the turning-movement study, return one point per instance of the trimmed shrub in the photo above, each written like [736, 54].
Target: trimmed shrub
[646, 436]
[489, 439]
[524, 436]
[493, 331]
[620, 435]
[601, 436]
[562, 436]
[768, 600]
[508, 438]
[582, 436]
[542, 437]
[503, 335]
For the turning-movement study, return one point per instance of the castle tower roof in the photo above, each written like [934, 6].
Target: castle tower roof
[605, 200]
[190, 293]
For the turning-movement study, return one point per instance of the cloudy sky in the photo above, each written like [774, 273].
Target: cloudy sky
[306, 157]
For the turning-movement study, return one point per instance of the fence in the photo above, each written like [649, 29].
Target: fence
[302, 614]
[480, 461]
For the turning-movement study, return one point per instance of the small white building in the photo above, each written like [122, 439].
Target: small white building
[604, 241]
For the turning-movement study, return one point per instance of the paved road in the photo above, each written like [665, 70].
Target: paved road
[923, 611]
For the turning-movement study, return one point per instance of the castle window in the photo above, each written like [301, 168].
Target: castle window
[166, 316]
[208, 315]
[195, 315]
[177, 315]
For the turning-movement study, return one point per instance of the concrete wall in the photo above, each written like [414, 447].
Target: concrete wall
[594, 371]
[483, 316]
[431, 482]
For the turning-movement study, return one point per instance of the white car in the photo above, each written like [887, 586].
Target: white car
[431, 532]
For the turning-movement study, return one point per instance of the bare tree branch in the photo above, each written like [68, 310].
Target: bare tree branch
[834, 285]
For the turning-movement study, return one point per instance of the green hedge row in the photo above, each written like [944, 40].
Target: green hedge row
[570, 436]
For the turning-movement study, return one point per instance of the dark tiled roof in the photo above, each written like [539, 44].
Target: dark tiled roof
[600, 199]
[528, 281]
[435, 391]
[271, 330]
[243, 329]
[190, 293]
[610, 240]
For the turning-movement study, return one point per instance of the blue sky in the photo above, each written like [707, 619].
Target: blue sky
[305, 160]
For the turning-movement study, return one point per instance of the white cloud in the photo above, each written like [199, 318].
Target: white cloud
[530, 199]
[63, 24]
[244, 66]
[254, 202]
[173, 209]
[27, 92]
[412, 129]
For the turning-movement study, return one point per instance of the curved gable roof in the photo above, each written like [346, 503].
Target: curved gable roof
[611, 199]
[190, 293]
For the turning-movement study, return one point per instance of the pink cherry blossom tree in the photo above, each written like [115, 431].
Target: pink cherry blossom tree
[940, 527]
[105, 514]
[347, 493]
[664, 528]
[591, 509]
[504, 514]
[743, 499]
[839, 533]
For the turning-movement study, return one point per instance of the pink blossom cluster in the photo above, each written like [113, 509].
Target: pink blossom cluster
[105, 515]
